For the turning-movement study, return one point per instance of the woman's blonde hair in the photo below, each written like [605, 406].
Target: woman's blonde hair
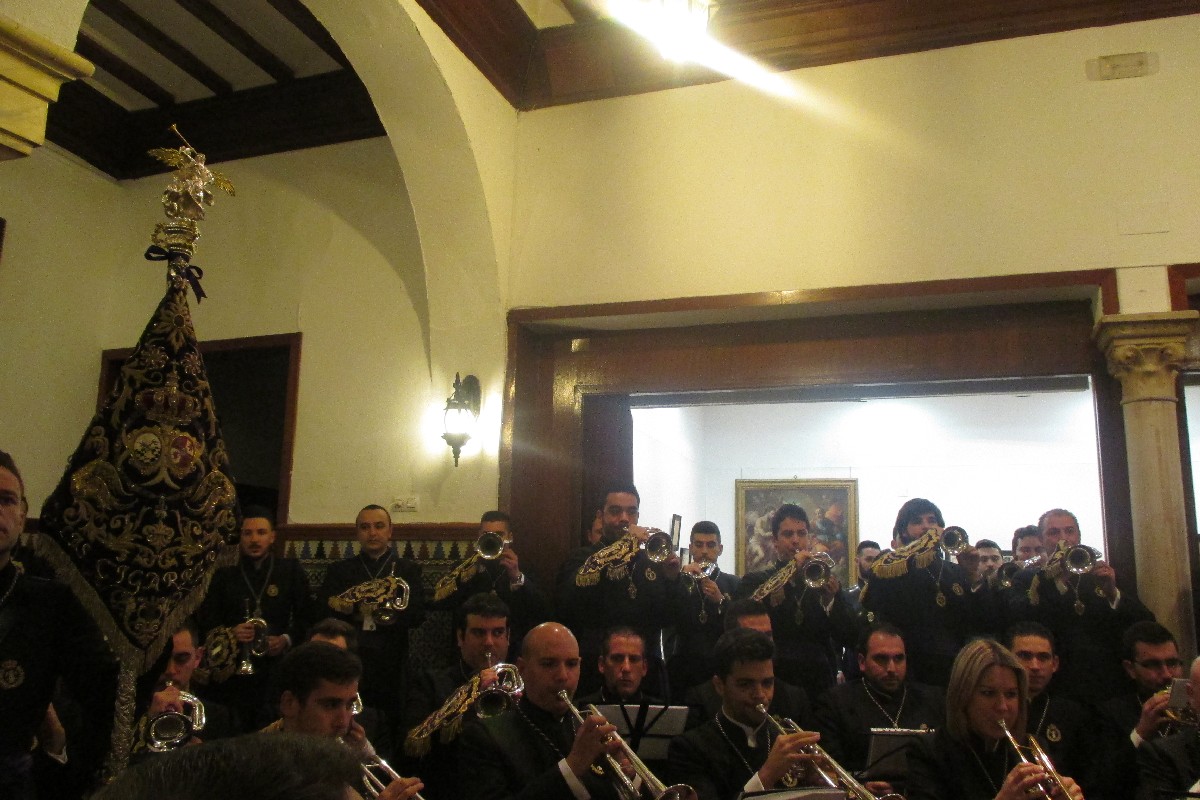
[970, 664]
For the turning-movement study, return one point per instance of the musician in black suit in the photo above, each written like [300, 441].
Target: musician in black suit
[927, 596]
[261, 585]
[884, 698]
[430, 742]
[811, 626]
[45, 635]
[1065, 728]
[737, 750]
[699, 605]
[622, 666]
[1130, 720]
[970, 758]
[533, 751]
[1172, 764]
[502, 576]
[787, 700]
[615, 583]
[382, 642]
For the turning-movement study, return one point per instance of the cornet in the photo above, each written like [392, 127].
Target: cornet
[954, 540]
[503, 694]
[258, 647]
[397, 601]
[1081, 559]
[658, 545]
[491, 545]
[626, 788]
[841, 778]
[817, 570]
[172, 729]
[1054, 781]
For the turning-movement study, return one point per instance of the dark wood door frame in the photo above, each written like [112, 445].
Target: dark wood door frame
[110, 366]
[551, 370]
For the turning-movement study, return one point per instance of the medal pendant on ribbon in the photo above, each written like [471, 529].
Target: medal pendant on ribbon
[1079, 607]
[957, 588]
[703, 616]
[632, 590]
[941, 599]
[1053, 734]
[368, 621]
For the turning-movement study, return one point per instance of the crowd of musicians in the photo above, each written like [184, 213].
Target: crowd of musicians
[1034, 678]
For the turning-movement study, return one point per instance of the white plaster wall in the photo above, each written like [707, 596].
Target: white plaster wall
[316, 241]
[668, 459]
[992, 463]
[58, 21]
[989, 159]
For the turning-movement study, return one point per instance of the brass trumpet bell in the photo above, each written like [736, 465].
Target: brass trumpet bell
[954, 540]
[817, 570]
[172, 729]
[1081, 559]
[659, 546]
[490, 545]
[501, 696]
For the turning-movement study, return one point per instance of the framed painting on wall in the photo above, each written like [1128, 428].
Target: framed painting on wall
[832, 508]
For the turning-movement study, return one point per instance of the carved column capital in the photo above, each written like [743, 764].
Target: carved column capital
[1146, 351]
[32, 69]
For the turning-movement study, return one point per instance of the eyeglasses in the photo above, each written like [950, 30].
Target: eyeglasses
[1155, 664]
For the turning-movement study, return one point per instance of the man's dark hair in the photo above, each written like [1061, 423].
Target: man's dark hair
[741, 645]
[1053, 513]
[743, 608]
[620, 630]
[303, 668]
[484, 604]
[982, 543]
[331, 628]
[863, 545]
[706, 526]
[495, 516]
[265, 766]
[374, 507]
[7, 462]
[192, 629]
[255, 512]
[787, 511]
[1144, 632]
[617, 488]
[912, 511]
[1024, 532]
[1029, 628]
[886, 628]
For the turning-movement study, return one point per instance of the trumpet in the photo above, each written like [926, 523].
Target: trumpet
[397, 601]
[954, 540]
[491, 545]
[377, 774]
[503, 694]
[658, 545]
[841, 779]
[258, 647]
[817, 570]
[172, 729]
[1082, 559]
[624, 784]
[707, 570]
[1005, 574]
[1045, 788]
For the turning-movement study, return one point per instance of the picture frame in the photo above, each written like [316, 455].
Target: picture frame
[825, 501]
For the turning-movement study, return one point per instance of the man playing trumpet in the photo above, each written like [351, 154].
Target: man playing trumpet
[318, 695]
[738, 750]
[617, 583]
[495, 567]
[533, 751]
[807, 621]
[482, 634]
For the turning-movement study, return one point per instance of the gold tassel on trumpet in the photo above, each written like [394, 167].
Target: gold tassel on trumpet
[447, 719]
[923, 552]
[619, 554]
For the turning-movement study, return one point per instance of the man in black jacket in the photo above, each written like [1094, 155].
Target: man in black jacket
[699, 605]
[383, 635]
[260, 585]
[533, 752]
[1172, 764]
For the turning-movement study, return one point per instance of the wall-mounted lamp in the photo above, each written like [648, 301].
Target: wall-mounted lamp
[462, 412]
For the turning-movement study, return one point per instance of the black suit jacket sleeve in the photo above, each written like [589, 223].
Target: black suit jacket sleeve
[693, 759]
[1171, 764]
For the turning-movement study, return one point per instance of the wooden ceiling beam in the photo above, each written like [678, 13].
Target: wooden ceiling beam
[303, 20]
[163, 44]
[126, 73]
[237, 38]
[498, 39]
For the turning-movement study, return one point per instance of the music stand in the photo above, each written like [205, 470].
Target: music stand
[887, 753]
[648, 729]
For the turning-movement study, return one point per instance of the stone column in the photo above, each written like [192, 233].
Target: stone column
[32, 69]
[1145, 353]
